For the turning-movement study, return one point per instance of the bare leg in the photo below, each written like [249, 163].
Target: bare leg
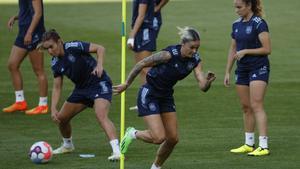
[102, 108]
[155, 133]
[37, 62]
[16, 57]
[257, 93]
[249, 119]
[67, 112]
[138, 57]
[166, 148]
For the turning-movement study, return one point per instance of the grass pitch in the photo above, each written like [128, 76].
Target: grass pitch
[209, 123]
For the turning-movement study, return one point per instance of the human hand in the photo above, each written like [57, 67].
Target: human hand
[130, 43]
[210, 76]
[119, 88]
[54, 116]
[10, 23]
[27, 38]
[240, 54]
[98, 70]
[227, 80]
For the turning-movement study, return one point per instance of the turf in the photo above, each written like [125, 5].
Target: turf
[209, 123]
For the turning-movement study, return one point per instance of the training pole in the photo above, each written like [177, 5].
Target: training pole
[123, 72]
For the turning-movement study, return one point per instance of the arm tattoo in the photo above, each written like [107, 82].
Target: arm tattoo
[155, 59]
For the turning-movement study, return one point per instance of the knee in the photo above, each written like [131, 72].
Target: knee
[172, 140]
[12, 66]
[159, 139]
[63, 121]
[102, 117]
[39, 72]
[246, 108]
[257, 106]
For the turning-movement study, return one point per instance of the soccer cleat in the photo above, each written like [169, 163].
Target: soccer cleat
[243, 149]
[114, 157]
[18, 106]
[37, 110]
[63, 150]
[126, 140]
[259, 152]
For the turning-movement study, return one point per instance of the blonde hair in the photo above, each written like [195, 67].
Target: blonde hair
[188, 34]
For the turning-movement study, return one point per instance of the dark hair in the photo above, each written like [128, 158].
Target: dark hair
[50, 34]
[256, 6]
[188, 34]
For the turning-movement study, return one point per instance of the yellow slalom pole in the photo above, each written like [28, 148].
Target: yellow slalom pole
[123, 72]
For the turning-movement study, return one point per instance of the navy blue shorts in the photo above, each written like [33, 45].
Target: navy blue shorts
[86, 96]
[245, 76]
[152, 102]
[145, 40]
[156, 26]
[36, 38]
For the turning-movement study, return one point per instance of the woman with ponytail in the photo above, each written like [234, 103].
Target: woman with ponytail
[250, 47]
[155, 99]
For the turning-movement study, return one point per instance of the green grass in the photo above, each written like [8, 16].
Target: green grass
[209, 123]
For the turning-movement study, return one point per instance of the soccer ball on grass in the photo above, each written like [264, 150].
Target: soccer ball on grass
[40, 152]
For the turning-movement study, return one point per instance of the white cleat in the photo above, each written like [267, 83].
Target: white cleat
[63, 150]
[114, 157]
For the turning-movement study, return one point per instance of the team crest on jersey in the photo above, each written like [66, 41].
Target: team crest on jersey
[190, 65]
[71, 58]
[248, 29]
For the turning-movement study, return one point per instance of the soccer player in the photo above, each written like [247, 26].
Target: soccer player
[93, 87]
[155, 98]
[142, 38]
[157, 20]
[31, 28]
[250, 47]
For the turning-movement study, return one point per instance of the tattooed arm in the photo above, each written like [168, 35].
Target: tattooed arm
[150, 61]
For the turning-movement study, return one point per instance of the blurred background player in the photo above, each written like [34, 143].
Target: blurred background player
[155, 99]
[157, 20]
[250, 47]
[93, 87]
[142, 38]
[31, 29]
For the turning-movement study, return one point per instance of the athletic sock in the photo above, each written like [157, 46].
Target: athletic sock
[43, 101]
[249, 139]
[115, 146]
[68, 142]
[19, 95]
[263, 142]
[155, 167]
[133, 133]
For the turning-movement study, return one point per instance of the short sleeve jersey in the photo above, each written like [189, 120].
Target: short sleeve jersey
[246, 37]
[148, 20]
[26, 13]
[77, 64]
[164, 76]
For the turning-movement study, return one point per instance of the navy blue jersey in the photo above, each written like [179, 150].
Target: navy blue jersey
[164, 76]
[246, 37]
[77, 64]
[26, 13]
[148, 20]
